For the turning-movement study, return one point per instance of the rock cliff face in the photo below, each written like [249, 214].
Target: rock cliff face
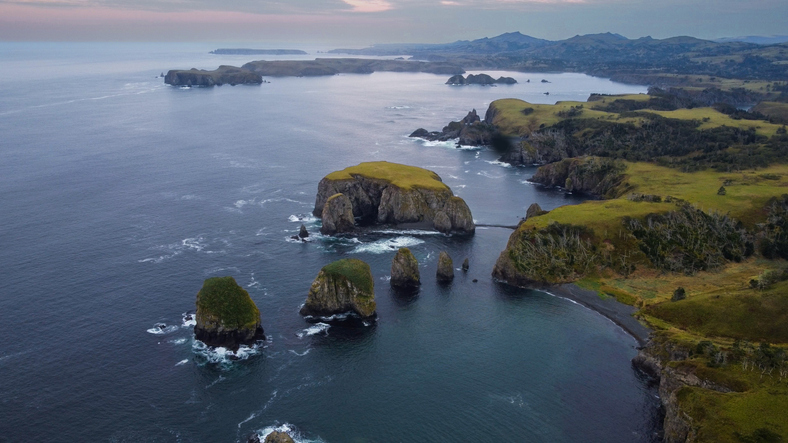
[405, 270]
[223, 75]
[278, 437]
[226, 315]
[341, 287]
[337, 215]
[655, 360]
[390, 193]
[534, 211]
[470, 131]
[598, 177]
[445, 272]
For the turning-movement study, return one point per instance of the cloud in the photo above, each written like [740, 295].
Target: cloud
[369, 5]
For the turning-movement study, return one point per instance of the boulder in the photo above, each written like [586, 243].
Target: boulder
[445, 268]
[226, 315]
[465, 265]
[278, 437]
[340, 287]
[303, 233]
[405, 270]
[534, 210]
[391, 193]
[337, 215]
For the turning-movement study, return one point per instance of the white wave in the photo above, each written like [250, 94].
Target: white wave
[460, 186]
[223, 356]
[303, 218]
[241, 203]
[188, 244]
[527, 182]
[283, 199]
[289, 430]
[191, 197]
[178, 341]
[488, 175]
[387, 245]
[398, 107]
[182, 362]
[189, 320]
[301, 354]
[499, 163]
[469, 148]
[448, 144]
[454, 177]
[162, 329]
[386, 278]
[317, 328]
[335, 317]
[407, 231]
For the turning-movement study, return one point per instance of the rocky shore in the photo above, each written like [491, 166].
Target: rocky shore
[223, 75]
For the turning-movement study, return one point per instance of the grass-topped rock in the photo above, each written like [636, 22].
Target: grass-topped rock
[226, 315]
[340, 287]
[391, 193]
[405, 270]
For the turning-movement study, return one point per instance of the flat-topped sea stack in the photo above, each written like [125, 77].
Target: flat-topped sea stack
[344, 286]
[226, 315]
[223, 75]
[395, 194]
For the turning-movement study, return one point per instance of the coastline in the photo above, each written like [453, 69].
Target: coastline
[615, 311]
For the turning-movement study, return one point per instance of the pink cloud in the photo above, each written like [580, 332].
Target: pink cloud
[369, 5]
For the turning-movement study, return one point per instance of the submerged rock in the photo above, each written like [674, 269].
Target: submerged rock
[341, 287]
[226, 315]
[445, 268]
[466, 265]
[405, 270]
[391, 193]
[337, 215]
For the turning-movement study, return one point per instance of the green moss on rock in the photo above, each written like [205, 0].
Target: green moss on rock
[340, 287]
[226, 315]
[405, 270]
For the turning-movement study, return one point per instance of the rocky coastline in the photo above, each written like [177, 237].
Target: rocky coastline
[222, 75]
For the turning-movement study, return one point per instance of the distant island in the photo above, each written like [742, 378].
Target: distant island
[220, 76]
[247, 51]
[479, 79]
[333, 66]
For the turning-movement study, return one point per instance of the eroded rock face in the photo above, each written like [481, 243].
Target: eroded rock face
[226, 315]
[470, 131]
[405, 270]
[445, 272]
[341, 287]
[377, 195]
[598, 177]
[337, 215]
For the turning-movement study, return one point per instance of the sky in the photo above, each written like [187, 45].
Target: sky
[359, 23]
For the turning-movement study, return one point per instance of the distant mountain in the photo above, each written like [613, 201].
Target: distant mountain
[758, 40]
[605, 54]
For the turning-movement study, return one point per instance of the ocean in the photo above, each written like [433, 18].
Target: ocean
[121, 194]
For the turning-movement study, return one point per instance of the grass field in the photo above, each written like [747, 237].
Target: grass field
[402, 176]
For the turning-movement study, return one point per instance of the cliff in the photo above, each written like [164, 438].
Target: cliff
[391, 193]
[597, 177]
[223, 75]
[341, 287]
[226, 315]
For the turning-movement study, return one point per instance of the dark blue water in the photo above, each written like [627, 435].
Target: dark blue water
[120, 195]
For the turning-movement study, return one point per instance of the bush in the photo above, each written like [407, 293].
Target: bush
[679, 294]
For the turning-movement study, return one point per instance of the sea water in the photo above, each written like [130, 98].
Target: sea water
[121, 194]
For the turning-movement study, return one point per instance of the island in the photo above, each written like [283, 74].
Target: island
[220, 76]
[333, 66]
[343, 287]
[226, 315]
[396, 194]
[246, 51]
[479, 79]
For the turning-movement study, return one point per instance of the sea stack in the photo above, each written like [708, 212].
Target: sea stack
[405, 270]
[393, 194]
[340, 287]
[337, 215]
[226, 315]
[445, 268]
[534, 210]
[466, 265]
